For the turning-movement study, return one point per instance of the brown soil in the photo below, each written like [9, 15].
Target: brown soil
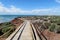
[51, 35]
[2, 38]
[17, 22]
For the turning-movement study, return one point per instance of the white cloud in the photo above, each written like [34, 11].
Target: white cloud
[13, 10]
[58, 1]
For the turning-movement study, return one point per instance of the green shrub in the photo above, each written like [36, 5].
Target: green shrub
[4, 30]
[52, 27]
[57, 29]
[47, 24]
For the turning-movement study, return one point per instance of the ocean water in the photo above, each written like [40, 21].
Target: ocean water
[7, 18]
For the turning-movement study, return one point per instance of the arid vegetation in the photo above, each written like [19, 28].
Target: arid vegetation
[8, 28]
[49, 26]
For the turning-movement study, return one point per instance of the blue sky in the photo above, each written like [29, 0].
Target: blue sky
[29, 7]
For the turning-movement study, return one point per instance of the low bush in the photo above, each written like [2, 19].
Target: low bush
[52, 27]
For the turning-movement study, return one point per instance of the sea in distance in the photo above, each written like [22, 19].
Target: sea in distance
[7, 18]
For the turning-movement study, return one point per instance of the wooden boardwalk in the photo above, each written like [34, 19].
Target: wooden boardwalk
[24, 32]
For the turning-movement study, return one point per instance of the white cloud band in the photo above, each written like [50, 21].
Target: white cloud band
[13, 10]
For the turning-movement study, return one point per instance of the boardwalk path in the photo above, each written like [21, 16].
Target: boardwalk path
[27, 33]
[24, 32]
